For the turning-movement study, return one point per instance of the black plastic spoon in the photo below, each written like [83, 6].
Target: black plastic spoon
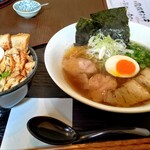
[55, 132]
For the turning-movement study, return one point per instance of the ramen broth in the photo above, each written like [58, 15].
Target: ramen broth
[80, 52]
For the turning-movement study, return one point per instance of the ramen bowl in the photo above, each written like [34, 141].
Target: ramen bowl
[14, 95]
[56, 49]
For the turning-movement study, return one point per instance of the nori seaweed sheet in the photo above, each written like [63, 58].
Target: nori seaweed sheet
[113, 22]
[85, 28]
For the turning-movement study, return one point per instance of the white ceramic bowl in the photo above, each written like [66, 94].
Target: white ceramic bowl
[54, 53]
[27, 9]
[13, 96]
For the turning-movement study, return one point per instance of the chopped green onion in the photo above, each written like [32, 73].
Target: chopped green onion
[102, 47]
[4, 75]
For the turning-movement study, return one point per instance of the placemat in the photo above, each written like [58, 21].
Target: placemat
[17, 136]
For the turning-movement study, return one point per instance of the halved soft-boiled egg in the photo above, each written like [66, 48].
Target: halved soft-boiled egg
[2, 53]
[122, 66]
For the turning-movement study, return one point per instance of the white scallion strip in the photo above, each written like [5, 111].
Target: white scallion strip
[102, 47]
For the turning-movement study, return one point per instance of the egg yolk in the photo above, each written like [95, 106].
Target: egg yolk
[125, 67]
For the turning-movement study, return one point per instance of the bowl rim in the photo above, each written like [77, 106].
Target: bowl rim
[84, 100]
[26, 12]
[29, 77]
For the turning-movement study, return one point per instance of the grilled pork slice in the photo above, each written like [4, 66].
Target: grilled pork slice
[20, 41]
[5, 42]
[77, 66]
[102, 82]
[99, 84]
[131, 93]
[80, 69]
[144, 78]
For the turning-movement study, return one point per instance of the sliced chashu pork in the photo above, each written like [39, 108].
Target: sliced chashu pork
[80, 69]
[144, 78]
[99, 84]
[76, 66]
[132, 92]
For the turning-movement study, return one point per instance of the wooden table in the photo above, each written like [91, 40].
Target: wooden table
[56, 15]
